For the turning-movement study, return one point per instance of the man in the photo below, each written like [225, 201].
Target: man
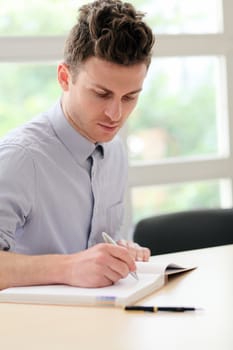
[63, 174]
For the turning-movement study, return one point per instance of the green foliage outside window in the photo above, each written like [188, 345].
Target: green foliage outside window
[25, 90]
[55, 17]
[187, 113]
[154, 200]
[188, 116]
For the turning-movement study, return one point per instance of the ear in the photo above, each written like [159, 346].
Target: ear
[63, 76]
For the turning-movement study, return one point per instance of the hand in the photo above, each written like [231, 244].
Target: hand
[136, 251]
[99, 266]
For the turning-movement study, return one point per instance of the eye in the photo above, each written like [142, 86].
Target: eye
[130, 97]
[102, 94]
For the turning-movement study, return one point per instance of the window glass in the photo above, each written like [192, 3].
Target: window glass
[51, 17]
[182, 16]
[176, 113]
[56, 17]
[25, 90]
[154, 200]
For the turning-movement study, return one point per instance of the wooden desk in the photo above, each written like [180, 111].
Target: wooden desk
[84, 328]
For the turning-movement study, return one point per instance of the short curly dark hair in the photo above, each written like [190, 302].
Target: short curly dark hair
[111, 30]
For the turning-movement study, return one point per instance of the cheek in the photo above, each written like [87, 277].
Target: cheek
[129, 109]
[74, 98]
[80, 103]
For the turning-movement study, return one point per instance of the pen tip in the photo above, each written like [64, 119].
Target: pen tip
[134, 274]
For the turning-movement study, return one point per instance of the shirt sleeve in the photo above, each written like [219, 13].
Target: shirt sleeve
[17, 192]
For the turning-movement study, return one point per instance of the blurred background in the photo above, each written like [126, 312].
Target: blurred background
[179, 138]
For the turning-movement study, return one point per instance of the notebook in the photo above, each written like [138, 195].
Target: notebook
[127, 291]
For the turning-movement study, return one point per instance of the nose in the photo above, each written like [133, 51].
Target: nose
[114, 110]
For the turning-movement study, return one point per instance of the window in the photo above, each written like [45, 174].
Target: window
[179, 139]
[181, 16]
[177, 115]
[148, 200]
[26, 89]
[31, 18]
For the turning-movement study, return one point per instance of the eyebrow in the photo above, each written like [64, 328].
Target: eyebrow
[109, 91]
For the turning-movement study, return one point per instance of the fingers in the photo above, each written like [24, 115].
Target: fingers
[136, 251]
[103, 264]
[99, 266]
[123, 261]
[116, 269]
[142, 254]
[113, 263]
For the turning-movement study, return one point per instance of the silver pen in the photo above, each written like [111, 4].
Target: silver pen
[108, 239]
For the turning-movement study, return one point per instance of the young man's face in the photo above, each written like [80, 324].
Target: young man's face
[102, 96]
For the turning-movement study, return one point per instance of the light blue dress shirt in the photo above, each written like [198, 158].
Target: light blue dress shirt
[58, 191]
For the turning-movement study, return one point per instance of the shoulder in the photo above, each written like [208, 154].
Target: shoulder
[15, 162]
[29, 137]
[27, 133]
[18, 149]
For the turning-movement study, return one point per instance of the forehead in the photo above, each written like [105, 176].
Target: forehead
[112, 76]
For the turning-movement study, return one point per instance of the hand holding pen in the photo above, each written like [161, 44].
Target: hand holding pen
[98, 266]
[108, 239]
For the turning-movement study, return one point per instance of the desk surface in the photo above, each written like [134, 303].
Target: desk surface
[66, 328]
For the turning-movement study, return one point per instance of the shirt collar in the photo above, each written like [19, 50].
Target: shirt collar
[80, 147]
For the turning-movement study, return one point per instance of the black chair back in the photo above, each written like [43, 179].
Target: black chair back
[185, 230]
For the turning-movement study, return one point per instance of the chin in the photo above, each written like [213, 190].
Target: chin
[105, 138]
[108, 138]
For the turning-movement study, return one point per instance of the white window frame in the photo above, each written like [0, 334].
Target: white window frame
[49, 49]
[186, 170]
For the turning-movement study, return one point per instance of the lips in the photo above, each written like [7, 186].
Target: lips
[109, 127]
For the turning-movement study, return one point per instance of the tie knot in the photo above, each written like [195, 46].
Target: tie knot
[98, 152]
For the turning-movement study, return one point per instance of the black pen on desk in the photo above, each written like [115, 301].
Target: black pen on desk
[161, 308]
[108, 239]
